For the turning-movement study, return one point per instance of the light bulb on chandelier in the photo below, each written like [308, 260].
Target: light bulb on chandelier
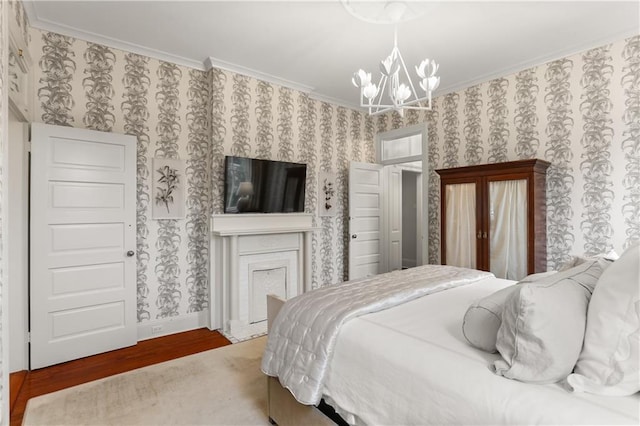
[395, 89]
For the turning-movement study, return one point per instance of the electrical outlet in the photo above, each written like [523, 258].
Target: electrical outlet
[156, 329]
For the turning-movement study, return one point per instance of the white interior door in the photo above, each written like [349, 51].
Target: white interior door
[83, 237]
[365, 215]
[393, 217]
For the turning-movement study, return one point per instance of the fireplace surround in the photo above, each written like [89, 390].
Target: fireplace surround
[253, 255]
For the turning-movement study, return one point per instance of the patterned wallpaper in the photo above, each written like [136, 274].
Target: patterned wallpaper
[178, 112]
[581, 113]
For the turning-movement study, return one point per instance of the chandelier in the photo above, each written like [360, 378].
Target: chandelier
[395, 89]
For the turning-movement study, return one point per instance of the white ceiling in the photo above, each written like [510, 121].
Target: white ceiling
[315, 46]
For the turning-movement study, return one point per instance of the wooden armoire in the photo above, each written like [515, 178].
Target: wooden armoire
[493, 217]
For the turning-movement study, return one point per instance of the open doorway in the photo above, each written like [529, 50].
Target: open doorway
[402, 217]
[401, 152]
[411, 225]
[377, 203]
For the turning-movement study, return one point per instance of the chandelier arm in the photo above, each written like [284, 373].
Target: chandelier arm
[382, 84]
[395, 83]
[416, 101]
[406, 73]
[392, 108]
[407, 105]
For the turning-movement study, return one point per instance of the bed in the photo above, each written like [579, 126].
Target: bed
[410, 364]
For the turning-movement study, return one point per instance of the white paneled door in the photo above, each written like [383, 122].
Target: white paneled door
[365, 215]
[393, 216]
[83, 239]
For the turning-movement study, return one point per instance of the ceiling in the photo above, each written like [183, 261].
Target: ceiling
[315, 46]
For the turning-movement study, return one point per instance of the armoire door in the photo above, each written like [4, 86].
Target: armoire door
[459, 216]
[507, 228]
[493, 217]
[83, 239]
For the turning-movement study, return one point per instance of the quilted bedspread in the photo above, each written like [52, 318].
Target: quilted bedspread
[302, 337]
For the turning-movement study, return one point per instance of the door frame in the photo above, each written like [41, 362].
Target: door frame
[417, 129]
[17, 242]
[419, 217]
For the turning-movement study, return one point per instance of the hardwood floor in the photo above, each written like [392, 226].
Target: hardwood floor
[28, 384]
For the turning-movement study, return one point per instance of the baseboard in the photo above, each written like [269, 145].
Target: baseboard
[166, 326]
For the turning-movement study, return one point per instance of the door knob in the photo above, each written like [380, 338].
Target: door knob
[131, 253]
[354, 236]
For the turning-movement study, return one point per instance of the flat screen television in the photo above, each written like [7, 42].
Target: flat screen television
[263, 186]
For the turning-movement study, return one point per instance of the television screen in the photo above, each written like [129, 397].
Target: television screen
[263, 186]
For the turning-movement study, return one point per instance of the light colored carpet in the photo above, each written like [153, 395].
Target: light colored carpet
[222, 386]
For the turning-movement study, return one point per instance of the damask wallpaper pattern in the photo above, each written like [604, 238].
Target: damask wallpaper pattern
[526, 118]
[451, 126]
[98, 87]
[472, 129]
[218, 136]
[169, 129]
[136, 82]
[198, 194]
[264, 118]
[326, 165]
[498, 112]
[581, 113]
[631, 134]
[560, 180]
[307, 144]
[58, 66]
[342, 188]
[597, 136]
[432, 118]
[181, 113]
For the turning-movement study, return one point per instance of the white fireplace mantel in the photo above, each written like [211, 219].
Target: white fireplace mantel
[269, 247]
[266, 223]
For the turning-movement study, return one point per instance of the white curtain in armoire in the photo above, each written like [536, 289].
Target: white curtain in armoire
[508, 228]
[461, 225]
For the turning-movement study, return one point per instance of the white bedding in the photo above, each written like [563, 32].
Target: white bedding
[411, 365]
[302, 337]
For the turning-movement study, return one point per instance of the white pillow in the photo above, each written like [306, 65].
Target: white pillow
[577, 260]
[536, 277]
[543, 325]
[609, 361]
[483, 318]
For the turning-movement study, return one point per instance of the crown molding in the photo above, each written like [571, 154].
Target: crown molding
[212, 62]
[336, 102]
[537, 61]
[46, 25]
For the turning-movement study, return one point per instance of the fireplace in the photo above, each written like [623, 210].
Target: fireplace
[253, 255]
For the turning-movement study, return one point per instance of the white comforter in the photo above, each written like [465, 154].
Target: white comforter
[302, 338]
[411, 365]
